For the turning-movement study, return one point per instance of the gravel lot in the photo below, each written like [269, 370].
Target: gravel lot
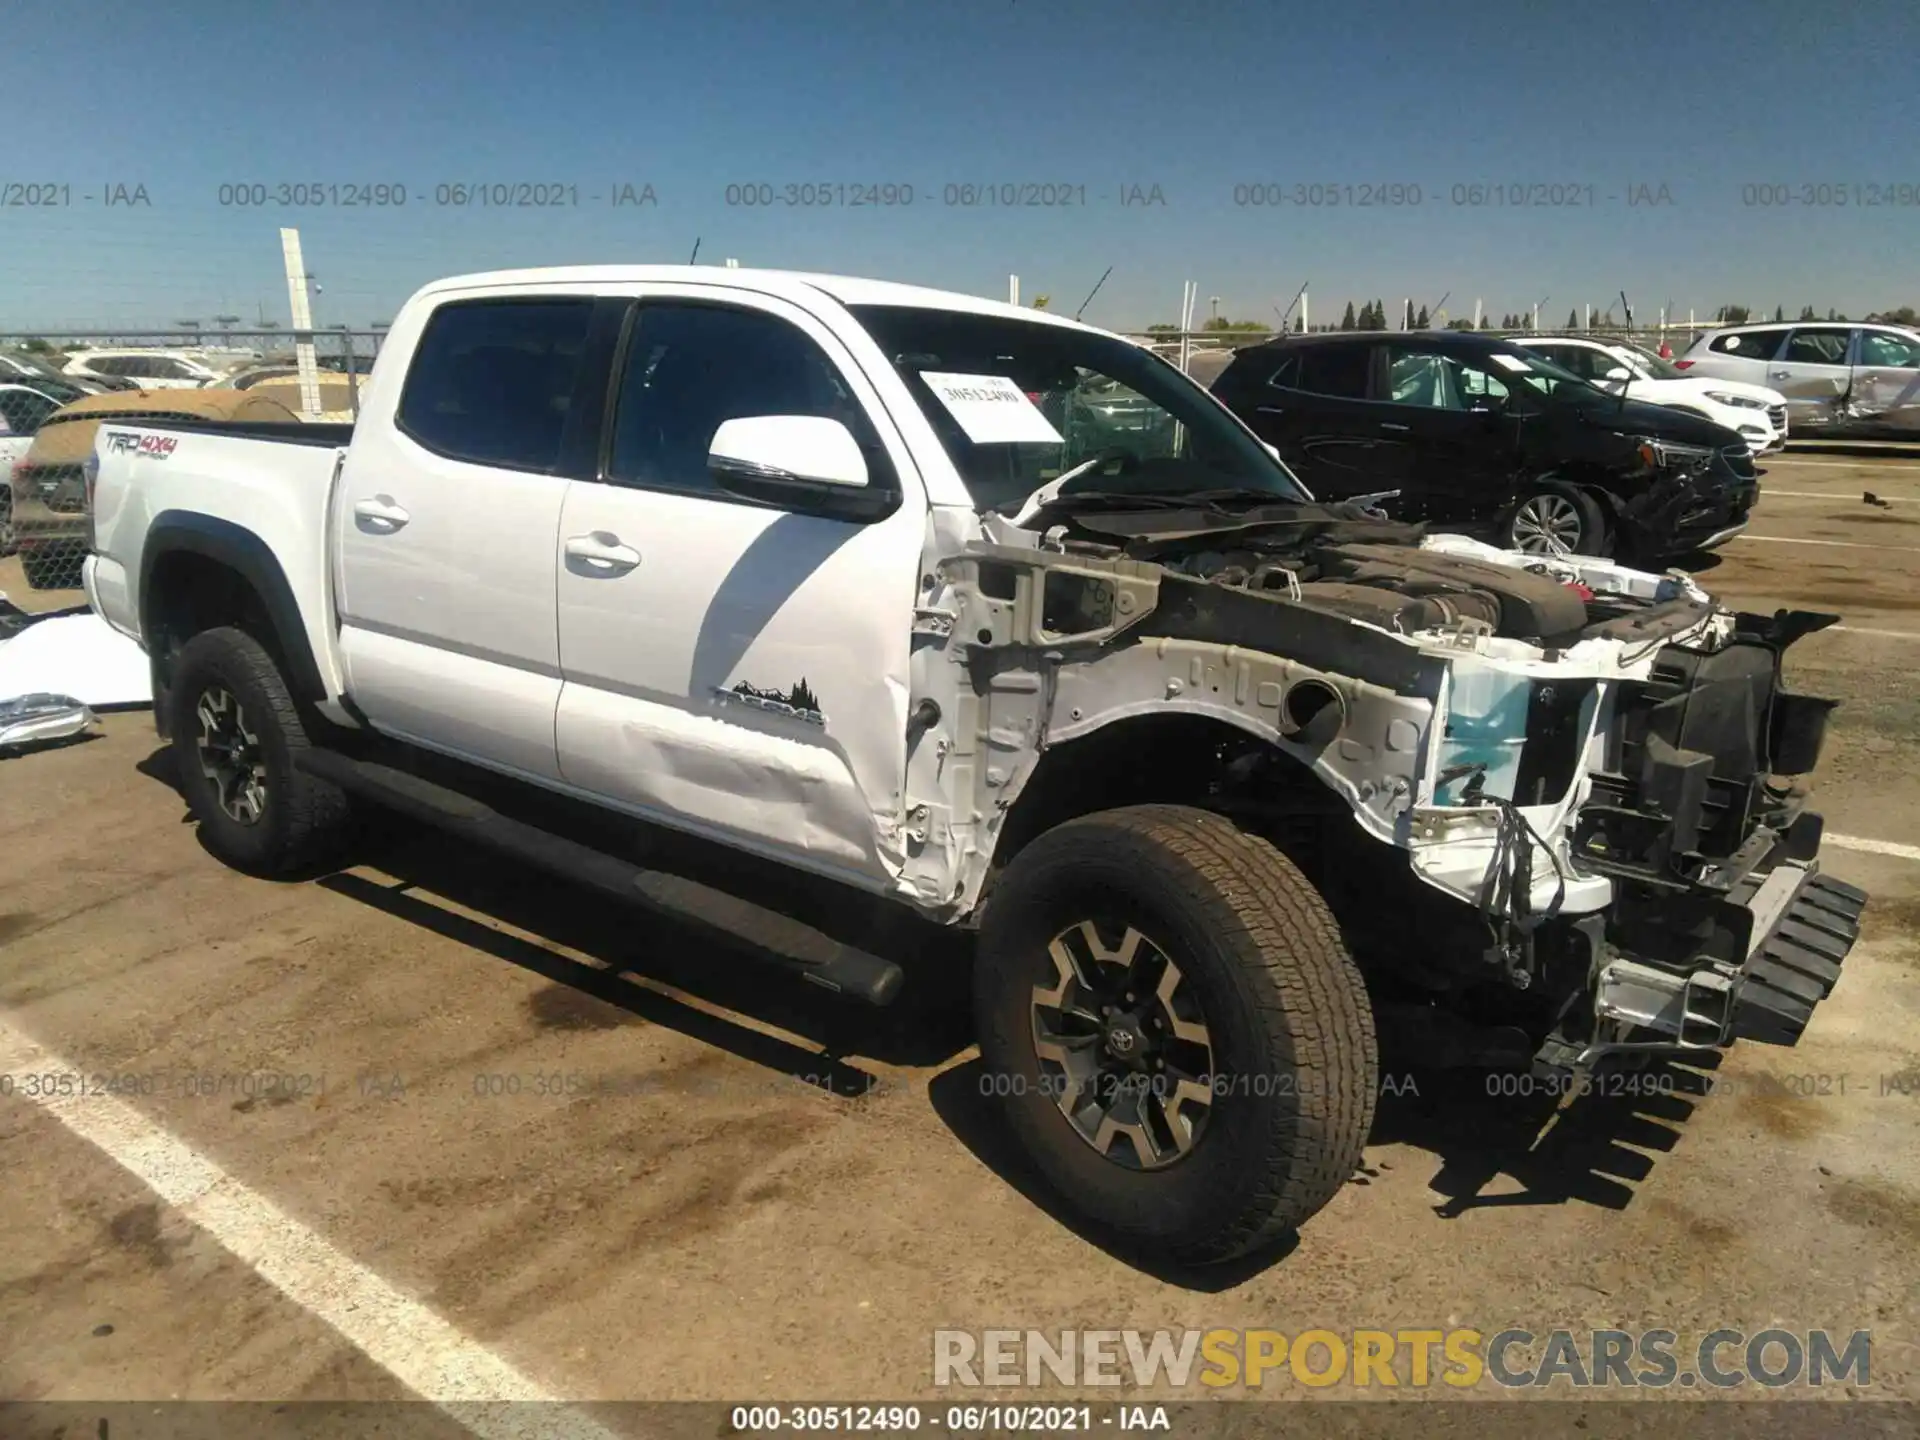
[712, 1225]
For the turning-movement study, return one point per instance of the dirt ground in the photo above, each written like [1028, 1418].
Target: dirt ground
[707, 1223]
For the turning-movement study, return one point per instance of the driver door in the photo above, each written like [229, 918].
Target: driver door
[730, 667]
[1886, 379]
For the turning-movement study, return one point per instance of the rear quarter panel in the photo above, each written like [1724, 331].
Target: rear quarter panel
[277, 492]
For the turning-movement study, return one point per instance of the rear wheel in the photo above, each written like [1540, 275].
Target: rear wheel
[1179, 1038]
[236, 733]
[1557, 520]
[6, 520]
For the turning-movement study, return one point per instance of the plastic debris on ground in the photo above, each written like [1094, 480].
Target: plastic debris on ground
[72, 655]
[40, 719]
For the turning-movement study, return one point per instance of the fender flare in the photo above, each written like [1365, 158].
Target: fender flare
[176, 532]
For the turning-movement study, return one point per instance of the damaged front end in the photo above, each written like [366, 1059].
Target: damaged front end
[1722, 925]
[1581, 771]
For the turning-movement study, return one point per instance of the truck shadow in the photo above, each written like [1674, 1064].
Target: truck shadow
[1506, 1139]
[688, 970]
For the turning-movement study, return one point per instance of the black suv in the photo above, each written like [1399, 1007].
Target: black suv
[1474, 432]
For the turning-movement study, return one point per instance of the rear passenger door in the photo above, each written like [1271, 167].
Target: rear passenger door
[1813, 371]
[1314, 409]
[446, 514]
[731, 667]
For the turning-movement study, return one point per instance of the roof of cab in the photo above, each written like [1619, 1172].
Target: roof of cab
[847, 289]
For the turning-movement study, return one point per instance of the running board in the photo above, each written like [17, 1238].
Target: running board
[783, 941]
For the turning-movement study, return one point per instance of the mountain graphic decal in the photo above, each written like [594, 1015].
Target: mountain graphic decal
[797, 700]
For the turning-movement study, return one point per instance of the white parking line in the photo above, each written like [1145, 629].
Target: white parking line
[1838, 544]
[397, 1333]
[1876, 465]
[1882, 634]
[1873, 847]
[1768, 492]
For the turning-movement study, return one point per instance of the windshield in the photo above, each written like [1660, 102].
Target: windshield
[31, 365]
[1648, 365]
[1017, 403]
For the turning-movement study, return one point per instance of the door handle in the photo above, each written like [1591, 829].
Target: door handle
[381, 512]
[602, 553]
[1779, 375]
[1397, 429]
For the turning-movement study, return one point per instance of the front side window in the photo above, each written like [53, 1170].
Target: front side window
[1441, 382]
[1889, 351]
[1089, 400]
[492, 380]
[690, 368]
[1823, 346]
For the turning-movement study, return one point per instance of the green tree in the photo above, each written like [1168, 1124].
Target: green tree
[1347, 321]
[37, 346]
[1379, 319]
[1461, 323]
[1732, 314]
[1420, 321]
[1779, 314]
[1163, 329]
[1573, 319]
[1806, 313]
[1040, 301]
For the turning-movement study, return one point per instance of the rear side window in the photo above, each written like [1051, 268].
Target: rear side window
[1339, 371]
[1749, 344]
[492, 380]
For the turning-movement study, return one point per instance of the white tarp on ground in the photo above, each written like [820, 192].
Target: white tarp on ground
[75, 655]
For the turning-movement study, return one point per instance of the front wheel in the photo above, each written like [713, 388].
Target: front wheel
[1557, 520]
[1174, 1027]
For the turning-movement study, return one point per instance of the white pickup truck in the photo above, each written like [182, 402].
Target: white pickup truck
[1000, 617]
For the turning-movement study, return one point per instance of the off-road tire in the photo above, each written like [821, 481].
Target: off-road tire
[1594, 536]
[1296, 1067]
[303, 820]
[6, 519]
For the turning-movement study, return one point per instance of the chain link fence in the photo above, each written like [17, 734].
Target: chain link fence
[58, 388]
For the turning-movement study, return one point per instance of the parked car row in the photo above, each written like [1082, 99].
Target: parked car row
[1465, 431]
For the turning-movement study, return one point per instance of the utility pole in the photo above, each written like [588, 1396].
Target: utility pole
[1013, 289]
[297, 278]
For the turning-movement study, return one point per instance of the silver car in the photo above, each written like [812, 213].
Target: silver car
[1839, 378]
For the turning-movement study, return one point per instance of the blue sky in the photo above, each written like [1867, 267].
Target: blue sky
[1195, 97]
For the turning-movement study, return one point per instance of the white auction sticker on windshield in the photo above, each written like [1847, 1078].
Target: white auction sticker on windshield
[1512, 362]
[991, 409]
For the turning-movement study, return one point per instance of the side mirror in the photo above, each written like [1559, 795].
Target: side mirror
[1618, 372]
[799, 462]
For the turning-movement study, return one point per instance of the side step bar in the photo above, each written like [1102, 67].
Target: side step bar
[784, 941]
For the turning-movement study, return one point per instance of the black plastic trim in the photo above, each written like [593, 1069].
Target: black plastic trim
[175, 532]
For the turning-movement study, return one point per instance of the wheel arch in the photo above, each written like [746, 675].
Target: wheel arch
[1149, 757]
[198, 572]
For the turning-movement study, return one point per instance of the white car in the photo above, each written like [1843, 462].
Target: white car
[150, 369]
[1757, 414]
[1838, 378]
